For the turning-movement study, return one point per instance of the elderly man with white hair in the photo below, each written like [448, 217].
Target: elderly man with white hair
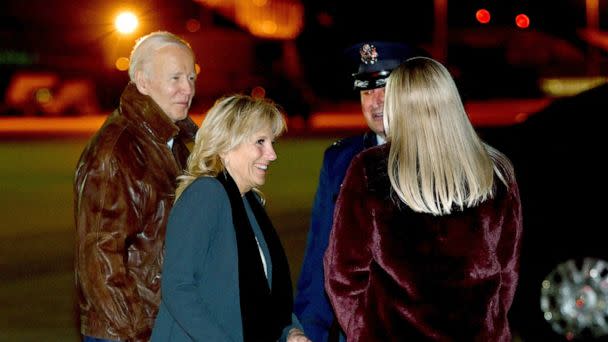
[124, 188]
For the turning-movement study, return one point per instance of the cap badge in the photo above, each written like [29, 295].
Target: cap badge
[368, 53]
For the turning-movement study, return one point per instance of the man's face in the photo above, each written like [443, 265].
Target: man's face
[372, 105]
[169, 80]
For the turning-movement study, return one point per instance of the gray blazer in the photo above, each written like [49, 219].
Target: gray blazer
[200, 282]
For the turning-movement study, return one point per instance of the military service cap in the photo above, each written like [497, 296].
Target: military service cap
[375, 60]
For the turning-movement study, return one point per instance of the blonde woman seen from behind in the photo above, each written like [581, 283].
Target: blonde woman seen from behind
[427, 230]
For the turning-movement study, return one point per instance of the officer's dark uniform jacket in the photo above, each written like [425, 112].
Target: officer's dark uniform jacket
[313, 310]
[124, 188]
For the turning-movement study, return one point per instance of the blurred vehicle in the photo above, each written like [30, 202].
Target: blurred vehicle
[46, 94]
[557, 153]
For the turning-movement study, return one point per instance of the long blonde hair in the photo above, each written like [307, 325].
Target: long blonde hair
[228, 123]
[436, 161]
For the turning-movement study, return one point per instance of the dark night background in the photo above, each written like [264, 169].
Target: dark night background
[69, 36]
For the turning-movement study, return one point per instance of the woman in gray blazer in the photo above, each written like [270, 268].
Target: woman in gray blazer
[225, 274]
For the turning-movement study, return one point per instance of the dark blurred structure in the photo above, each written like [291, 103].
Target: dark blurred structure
[508, 62]
[333, 26]
[491, 60]
[294, 48]
[556, 153]
[282, 78]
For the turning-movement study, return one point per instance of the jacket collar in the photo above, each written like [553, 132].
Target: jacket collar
[376, 170]
[369, 139]
[265, 310]
[142, 110]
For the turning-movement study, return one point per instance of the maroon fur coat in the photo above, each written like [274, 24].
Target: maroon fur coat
[396, 275]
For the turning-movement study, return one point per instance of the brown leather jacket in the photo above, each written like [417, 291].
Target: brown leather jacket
[123, 191]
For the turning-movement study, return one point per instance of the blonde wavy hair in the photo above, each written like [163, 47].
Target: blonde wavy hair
[231, 121]
[437, 162]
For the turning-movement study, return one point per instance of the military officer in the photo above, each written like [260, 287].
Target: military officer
[374, 61]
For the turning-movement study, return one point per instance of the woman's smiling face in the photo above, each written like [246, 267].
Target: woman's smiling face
[248, 162]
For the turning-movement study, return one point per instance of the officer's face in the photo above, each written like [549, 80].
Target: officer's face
[372, 105]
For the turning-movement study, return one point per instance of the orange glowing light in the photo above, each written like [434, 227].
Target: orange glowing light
[23, 84]
[269, 27]
[126, 22]
[522, 21]
[483, 16]
[276, 19]
[122, 63]
[197, 68]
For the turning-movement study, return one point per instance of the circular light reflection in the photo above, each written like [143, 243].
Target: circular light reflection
[122, 63]
[193, 25]
[43, 95]
[258, 92]
[522, 21]
[483, 16]
[269, 26]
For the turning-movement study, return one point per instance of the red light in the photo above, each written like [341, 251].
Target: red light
[580, 303]
[193, 25]
[258, 92]
[522, 21]
[483, 16]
